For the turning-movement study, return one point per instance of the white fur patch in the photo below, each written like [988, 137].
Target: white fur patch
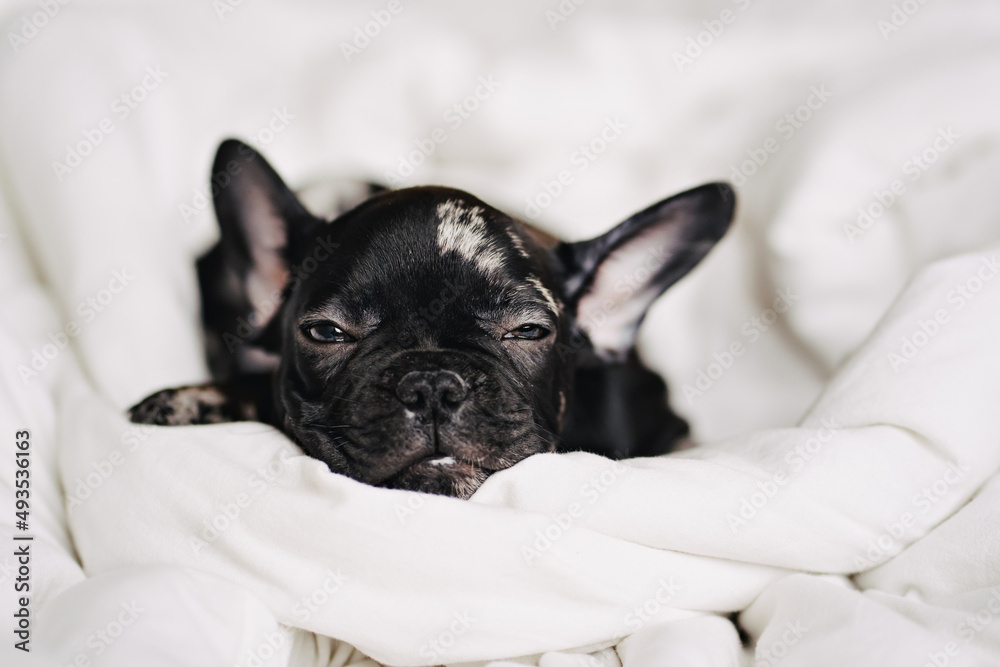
[460, 230]
[463, 230]
[546, 294]
[443, 461]
[518, 244]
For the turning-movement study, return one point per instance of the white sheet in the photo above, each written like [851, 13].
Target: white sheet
[661, 535]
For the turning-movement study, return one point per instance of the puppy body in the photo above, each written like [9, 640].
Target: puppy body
[423, 339]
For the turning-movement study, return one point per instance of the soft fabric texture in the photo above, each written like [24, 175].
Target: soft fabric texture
[837, 354]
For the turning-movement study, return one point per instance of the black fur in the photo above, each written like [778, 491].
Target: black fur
[461, 344]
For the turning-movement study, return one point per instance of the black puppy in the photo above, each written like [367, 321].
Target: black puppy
[423, 339]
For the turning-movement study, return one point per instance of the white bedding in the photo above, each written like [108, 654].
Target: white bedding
[833, 447]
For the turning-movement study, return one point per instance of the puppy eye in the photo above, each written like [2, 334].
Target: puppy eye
[328, 332]
[528, 332]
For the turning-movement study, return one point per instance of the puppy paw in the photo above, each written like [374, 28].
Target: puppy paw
[201, 404]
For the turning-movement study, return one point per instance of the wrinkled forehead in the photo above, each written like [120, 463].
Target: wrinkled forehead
[412, 248]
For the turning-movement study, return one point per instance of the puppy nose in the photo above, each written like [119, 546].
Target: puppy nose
[427, 391]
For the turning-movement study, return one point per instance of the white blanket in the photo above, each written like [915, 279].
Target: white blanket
[853, 421]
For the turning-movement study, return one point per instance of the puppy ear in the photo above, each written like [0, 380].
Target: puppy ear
[611, 281]
[263, 226]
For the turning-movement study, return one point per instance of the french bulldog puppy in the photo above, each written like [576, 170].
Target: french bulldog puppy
[423, 339]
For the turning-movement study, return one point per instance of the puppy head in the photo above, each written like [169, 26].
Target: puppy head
[424, 340]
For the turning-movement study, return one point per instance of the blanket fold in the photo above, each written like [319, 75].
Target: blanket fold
[837, 355]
